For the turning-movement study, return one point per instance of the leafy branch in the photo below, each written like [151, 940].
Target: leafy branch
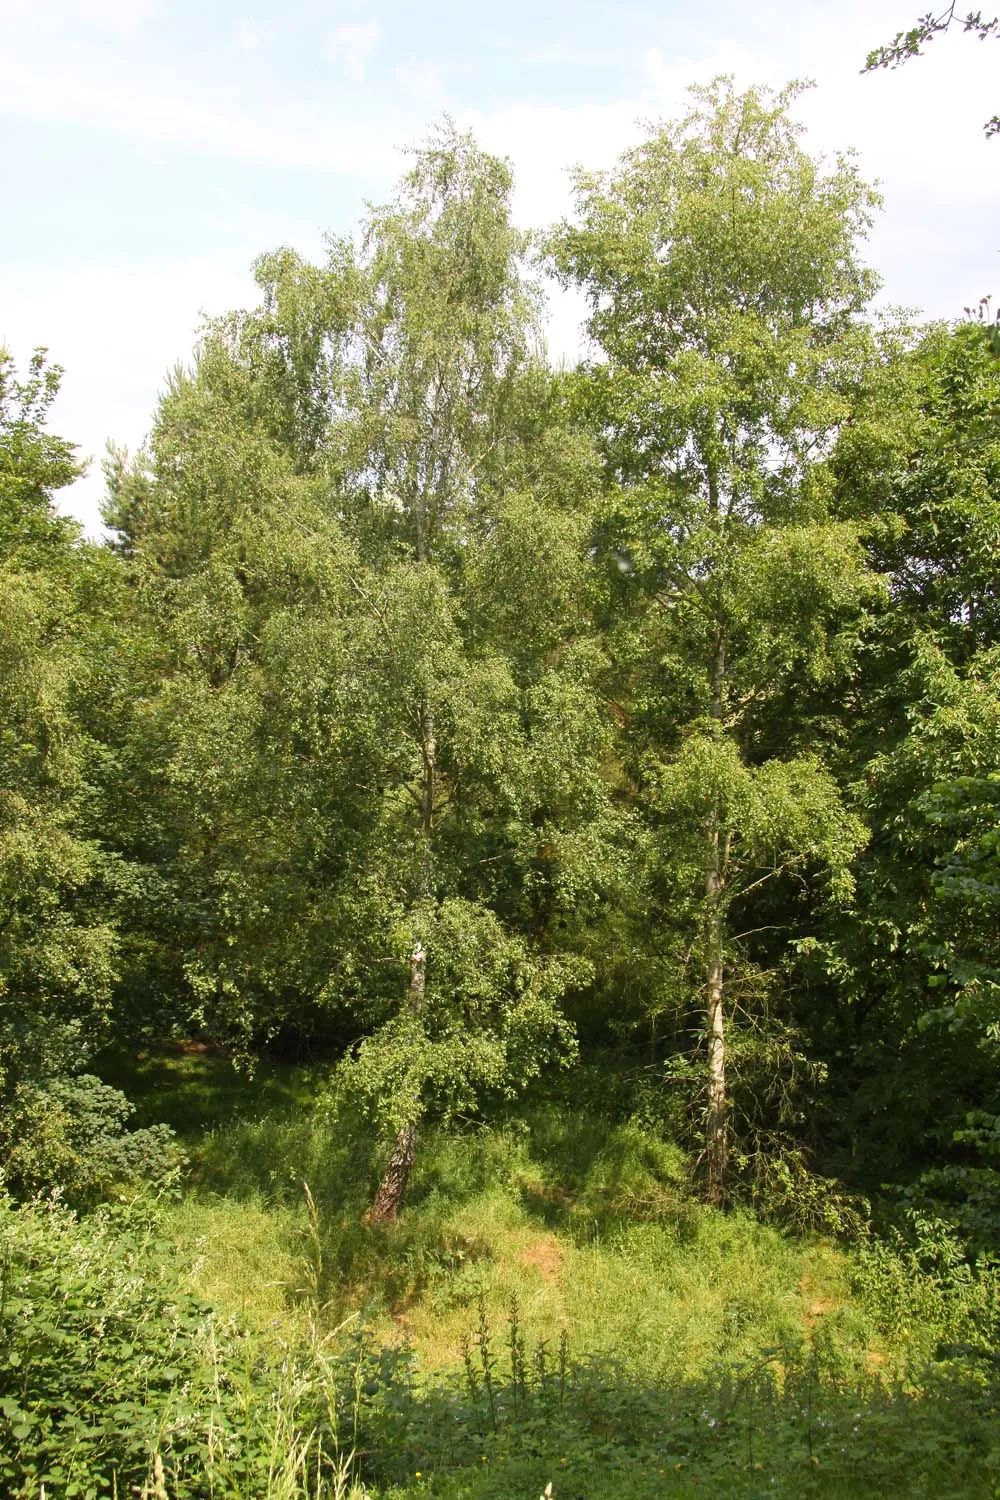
[907, 44]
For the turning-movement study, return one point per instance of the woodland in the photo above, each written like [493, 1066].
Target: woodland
[500, 867]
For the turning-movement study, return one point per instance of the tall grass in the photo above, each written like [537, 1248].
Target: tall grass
[553, 1307]
[588, 1224]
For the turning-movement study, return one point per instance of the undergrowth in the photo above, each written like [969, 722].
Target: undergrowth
[114, 1379]
[552, 1309]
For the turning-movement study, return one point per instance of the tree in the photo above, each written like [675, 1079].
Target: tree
[911, 1045]
[720, 263]
[453, 437]
[58, 888]
[364, 532]
[55, 956]
[248, 748]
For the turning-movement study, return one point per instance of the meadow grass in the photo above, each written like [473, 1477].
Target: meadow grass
[701, 1352]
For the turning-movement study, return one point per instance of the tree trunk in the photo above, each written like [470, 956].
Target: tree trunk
[716, 1125]
[428, 755]
[716, 1132]
[389, 1194]
[388, 1197]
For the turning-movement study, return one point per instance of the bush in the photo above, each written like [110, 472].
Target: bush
[69, 1134]
[114, 1379]
[805, 1418]
[920, 1288]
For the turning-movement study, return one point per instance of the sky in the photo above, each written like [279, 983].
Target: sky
[153, 149]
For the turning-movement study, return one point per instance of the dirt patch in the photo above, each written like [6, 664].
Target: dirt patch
[544, 1255]
[819, 1297]
[818, 1308]
[178, 1047]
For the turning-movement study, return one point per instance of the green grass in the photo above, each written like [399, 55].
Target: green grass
[704, 1353]
[194, 1086]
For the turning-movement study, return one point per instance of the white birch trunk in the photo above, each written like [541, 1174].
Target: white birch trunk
[716, 1126]
[389, 1193]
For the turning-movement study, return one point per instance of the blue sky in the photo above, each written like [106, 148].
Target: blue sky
[152, 149]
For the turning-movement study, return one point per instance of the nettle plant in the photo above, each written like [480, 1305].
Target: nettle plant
[115, 1379]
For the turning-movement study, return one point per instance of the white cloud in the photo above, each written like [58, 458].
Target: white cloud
[666, 83]
[92, 89]
[119, 17]
[426, 83]
[116, 18]
[352, 45]
[251, 36]
[545, 141]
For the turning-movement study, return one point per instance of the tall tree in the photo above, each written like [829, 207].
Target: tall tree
[497, 710]
[913, 1052]
[364, 529]
[721, 266]
[57, 933]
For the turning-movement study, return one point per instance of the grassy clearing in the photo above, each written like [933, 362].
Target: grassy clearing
[194, 1086]
[554, 1307]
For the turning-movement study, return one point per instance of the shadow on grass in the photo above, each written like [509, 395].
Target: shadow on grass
[194, 1086]
[782, 1425]
[259, 1139]
[757, 1421]
[246, 1130]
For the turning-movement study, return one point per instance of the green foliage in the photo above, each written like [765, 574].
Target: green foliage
[626, 1329]
[113, 1376]
[56, 944]
[449, 720]
[58, 888]
[796, 1419]
[770, 241]
[921, 1289]
[33, 463]
[370, 723]
[721, 267]
[776, 817]
[68, 1133]
[490, 1022]
[915, 958]
[923, 461]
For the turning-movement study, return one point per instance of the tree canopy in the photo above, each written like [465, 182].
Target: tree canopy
[452, 718]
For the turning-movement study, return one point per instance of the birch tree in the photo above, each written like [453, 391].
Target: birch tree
[364, 527]
[721, 266]
[460, 493]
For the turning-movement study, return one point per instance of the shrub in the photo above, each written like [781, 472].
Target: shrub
[114, 1379]
[69, 1133]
